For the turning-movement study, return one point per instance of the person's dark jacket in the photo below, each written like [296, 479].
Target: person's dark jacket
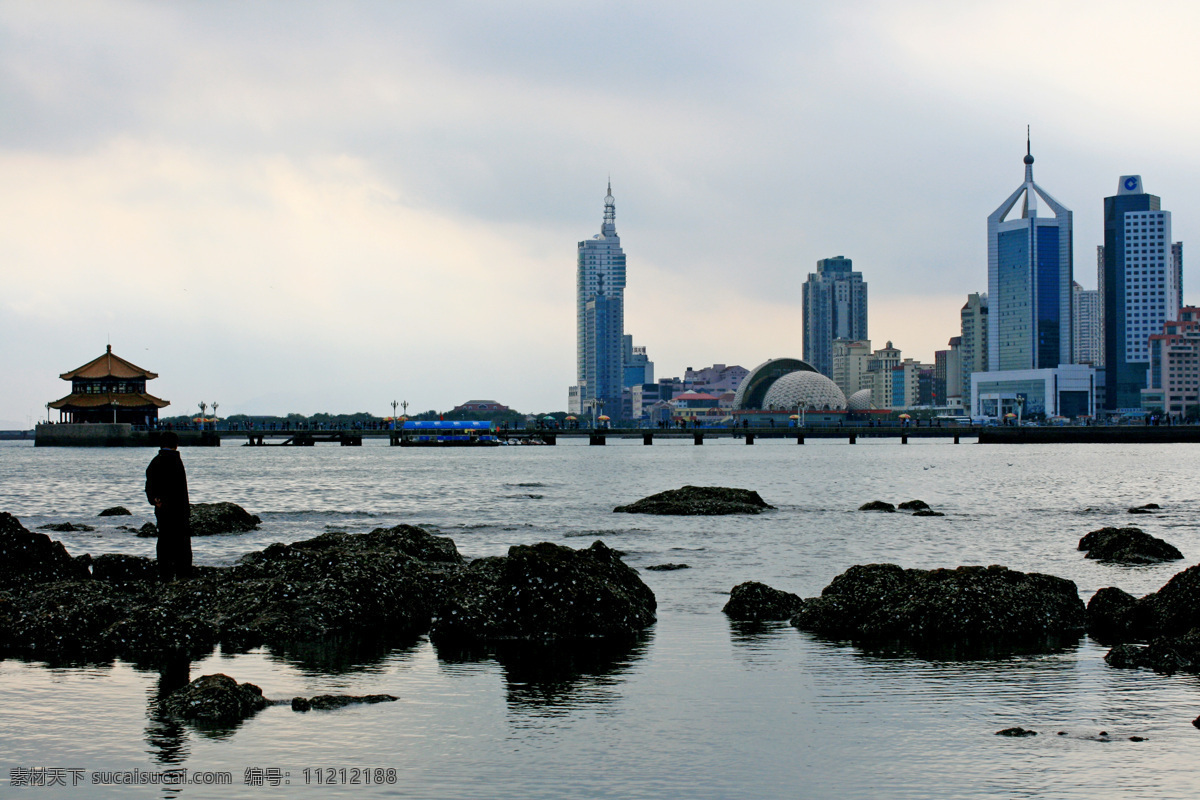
[166, 480]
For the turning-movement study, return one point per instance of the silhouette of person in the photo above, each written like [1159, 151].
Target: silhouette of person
[166, 489]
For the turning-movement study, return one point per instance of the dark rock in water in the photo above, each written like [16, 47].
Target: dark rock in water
[667, 567]
[914, 505]
[1016, 732]
[215, 700]
[1166, 654]
[147, 530]
[121, 568]
[928, 512]
[328, 702]
[209, 519]
[755, 601]
[1111, 614]
[65, 618]
[542, 592]
[699, 501]
[981, 604]
[1196, 722]
[115, 511]
[1148, 508]
[877, 505]
[27, 557]
[1127, 545]
[1138, 739]
[65, 527]
[1172, 610]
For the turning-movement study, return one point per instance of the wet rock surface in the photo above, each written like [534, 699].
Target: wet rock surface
[914, 505]
[968, 604]
[210, 519]
[1166, 654]
[753, 601]
[1171, 611]
[1127, 546]
[1148, 508]
[328, 702]
[27, 557]
[65, 527]
[215, 700]
[877, 505]
[699, 501]
[386, 584]
[1017, 732]
[667, 567]
[927, 512]
[544, 592]
[115, 511]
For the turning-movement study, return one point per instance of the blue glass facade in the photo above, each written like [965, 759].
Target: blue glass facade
[1049, 297]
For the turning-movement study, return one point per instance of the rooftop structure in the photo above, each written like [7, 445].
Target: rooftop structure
[109, 389]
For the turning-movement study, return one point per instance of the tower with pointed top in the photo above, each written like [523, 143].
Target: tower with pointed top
[600, 318]
[1030, 272]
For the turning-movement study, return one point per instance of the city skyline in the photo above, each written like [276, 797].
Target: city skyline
[316, 208]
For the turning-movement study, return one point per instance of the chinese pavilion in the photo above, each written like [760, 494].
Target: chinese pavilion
[109, 389]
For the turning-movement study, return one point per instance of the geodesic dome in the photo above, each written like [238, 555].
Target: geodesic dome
[860, 401]
[812, 390]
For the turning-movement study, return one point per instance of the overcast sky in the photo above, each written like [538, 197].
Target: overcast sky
[327, 206]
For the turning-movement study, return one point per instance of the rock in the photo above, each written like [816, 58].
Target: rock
[914, 505]
[65, 527]
[1172, 610]
[757, 601]
[147, 530]
[115, 511]
[544, 592]
[667, 567]
[1196, 722]
[1165, 654]
[928, 512]
[328, 702]
[699, 501]
[215, 700]
[1138, 739]
[27, 557]
[209, 519]
[1148, 508]
[1111, 614]
[943, 606]
[121, 568]
[1016, 732]
[1128, 546]
[877, 505]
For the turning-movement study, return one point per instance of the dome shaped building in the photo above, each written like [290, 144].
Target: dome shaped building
[808, 390]
[860, 401]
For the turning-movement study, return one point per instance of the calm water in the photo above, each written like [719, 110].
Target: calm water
[700, 708]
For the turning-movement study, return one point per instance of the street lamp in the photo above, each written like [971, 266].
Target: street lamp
[203, 408]
[214, 408]
[1020, 408]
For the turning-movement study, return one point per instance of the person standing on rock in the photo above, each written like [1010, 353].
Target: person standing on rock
[166, 489]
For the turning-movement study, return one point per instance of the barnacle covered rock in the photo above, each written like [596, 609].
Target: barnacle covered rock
[1128, 546]
[756, 601]
[969, 604]
[27, 557]
[544, 591]
[215, 700]
[699, 501]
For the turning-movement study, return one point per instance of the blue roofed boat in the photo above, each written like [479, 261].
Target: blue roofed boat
[449, 433]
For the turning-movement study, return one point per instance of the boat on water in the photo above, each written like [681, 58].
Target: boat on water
[449, 433]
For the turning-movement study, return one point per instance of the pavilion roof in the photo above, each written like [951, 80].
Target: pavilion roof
[135, 400]
[108, 366]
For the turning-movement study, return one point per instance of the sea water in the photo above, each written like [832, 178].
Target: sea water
[699, 707]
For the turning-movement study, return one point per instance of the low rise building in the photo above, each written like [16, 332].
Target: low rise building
[1174, 374]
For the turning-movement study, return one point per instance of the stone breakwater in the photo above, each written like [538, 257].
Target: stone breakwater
[392, 583]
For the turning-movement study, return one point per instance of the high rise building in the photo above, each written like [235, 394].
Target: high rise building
[1089, 340]
[851, 359]
[600, 318]
[1029, 280]
[835, 307]
[973, 344]
[1141, 287]
[1174, 376]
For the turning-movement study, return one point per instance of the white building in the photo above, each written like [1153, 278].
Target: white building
[600, 317]
[1089, 337]
[1066, 391]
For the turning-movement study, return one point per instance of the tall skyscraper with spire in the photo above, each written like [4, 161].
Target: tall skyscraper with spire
[1030, 272]
[600, 317]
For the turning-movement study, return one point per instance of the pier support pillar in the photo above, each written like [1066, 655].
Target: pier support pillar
[596, 439]
[749, 438]
[904, 438]
[697, 438]
[956, 438]
[853, 438]
[799, 438]
[647, 438]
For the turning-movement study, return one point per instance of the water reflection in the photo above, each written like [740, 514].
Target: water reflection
[342, 654]
[166, 735]
[556, 677]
